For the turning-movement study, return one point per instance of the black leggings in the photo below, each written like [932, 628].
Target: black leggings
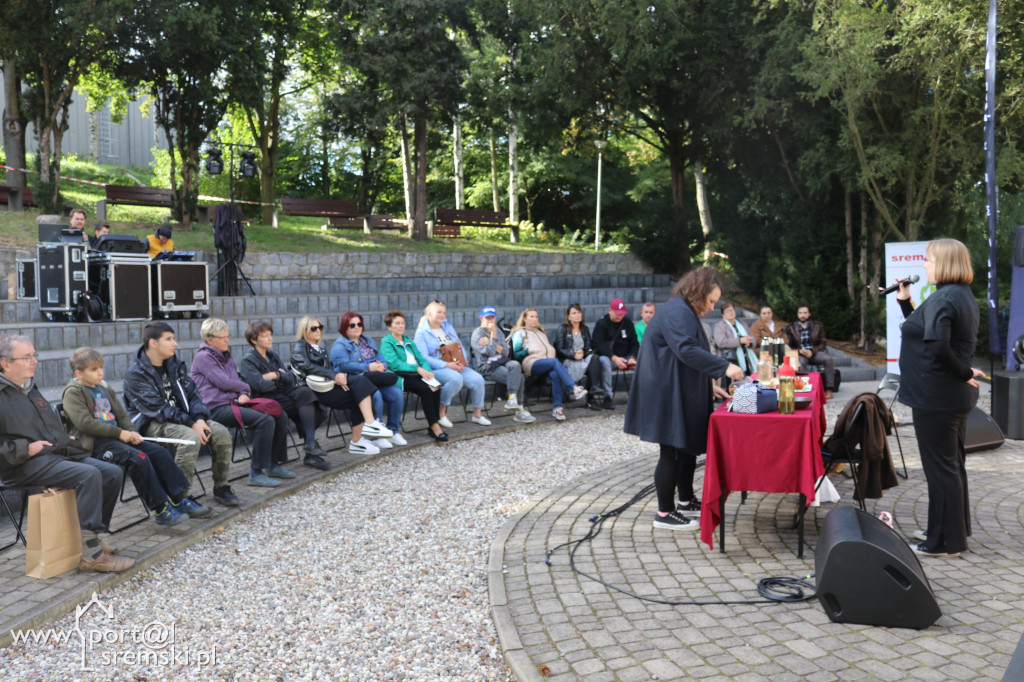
[359, 387]
[675, 470]
[429, 398]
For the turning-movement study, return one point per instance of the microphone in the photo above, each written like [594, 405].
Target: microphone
[909, 280]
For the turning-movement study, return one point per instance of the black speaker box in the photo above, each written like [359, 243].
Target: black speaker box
[982, 432]
[867, 574]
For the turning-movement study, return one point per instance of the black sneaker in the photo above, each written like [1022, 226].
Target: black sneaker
[693, 506]
[314, 449]
[675, 521]
[595, 406]
[224, 495]
[315, 462]
[609, 403]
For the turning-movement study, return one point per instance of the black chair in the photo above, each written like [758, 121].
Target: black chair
[891, 382]
[848, 452]
[16, 521]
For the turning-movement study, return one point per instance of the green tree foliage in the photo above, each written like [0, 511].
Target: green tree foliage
[54, 44]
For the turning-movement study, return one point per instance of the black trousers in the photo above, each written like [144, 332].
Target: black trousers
[151, 467]
[359, 388]
[429, 398]
[940, 439]
[269, 434]
[675, 470]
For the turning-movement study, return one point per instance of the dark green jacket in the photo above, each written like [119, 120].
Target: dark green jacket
[79, 407]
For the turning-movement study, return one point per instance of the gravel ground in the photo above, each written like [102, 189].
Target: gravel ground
[379, 573]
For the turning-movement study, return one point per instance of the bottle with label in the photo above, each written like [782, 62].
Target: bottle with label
[764, 369]
[787, 387]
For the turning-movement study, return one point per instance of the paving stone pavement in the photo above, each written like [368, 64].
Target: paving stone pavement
[557, 625]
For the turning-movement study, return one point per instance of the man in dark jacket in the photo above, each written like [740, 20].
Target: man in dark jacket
[163, 402]
[808, 337]
[36, 451]
[615, 343]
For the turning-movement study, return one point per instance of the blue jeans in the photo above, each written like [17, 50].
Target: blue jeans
[607, 372]
[560, 379]
[452, 382]
[395, 398]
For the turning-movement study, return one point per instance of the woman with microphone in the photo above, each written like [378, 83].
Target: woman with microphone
[941, 387]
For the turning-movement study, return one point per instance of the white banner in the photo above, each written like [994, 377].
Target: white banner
[902, 260]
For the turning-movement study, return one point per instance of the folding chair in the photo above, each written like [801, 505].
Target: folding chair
[18, 521]
[891, 382]
[849, 453]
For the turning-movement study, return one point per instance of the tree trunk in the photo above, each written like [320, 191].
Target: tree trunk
[848, 221]
[677, 175]
[702, 200]
[13, 123]
[460, 186]
[513, 176]
[494, 174]
[325, 165]
[862, 270]
[420, 219]
[407, 181]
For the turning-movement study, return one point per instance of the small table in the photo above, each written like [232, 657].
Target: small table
[769, 453]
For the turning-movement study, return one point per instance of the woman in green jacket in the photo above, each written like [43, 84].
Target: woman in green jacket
[405, 359]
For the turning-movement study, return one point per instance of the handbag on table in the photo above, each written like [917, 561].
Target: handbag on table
[754, 399]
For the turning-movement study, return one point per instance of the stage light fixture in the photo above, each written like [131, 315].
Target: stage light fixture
[214, 162]
[248, 168]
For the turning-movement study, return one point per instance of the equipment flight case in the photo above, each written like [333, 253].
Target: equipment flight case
[122, 283]
[180, 289]
[62, 280]
[26, 279]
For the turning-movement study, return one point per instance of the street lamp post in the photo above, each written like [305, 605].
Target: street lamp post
[600, 144]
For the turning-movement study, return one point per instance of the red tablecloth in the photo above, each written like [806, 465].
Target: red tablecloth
[769, 453]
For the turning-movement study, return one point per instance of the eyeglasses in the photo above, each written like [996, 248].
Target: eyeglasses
[355, 325]
[316, 328]
[28, 358]
[222, 336]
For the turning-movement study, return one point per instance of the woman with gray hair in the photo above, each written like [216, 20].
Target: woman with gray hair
[225, 394]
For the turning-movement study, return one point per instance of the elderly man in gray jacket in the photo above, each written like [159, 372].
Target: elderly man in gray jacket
[36, 451]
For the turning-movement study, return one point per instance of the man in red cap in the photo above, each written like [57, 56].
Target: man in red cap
[616, 345]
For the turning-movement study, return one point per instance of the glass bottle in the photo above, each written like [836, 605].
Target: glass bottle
[787, 388]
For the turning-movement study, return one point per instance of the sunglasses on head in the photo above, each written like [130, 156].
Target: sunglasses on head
[316, 328]
[355, 325]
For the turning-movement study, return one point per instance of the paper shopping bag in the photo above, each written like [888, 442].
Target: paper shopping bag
[54, 538]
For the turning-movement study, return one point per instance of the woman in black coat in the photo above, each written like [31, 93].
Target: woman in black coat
[672, 396]
[941, 387]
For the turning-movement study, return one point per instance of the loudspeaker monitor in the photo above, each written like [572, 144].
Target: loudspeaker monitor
[982, 432]
[867, 574]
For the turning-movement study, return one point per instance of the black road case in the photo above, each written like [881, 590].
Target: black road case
[180, 289]
[123, 284]
[62, 280]
[27, 279]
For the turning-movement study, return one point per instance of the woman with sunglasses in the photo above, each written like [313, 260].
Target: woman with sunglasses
[437, 340]
[309, 358]
[356, 354]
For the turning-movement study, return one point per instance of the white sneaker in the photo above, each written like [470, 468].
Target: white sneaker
[398, 439]
[481, 420]
[383, 443]
[363, 447]
[512, 404]
[375, 429]
[920, 535]
[558, 414]
[579, 393]
[523, 416]
[445, 422]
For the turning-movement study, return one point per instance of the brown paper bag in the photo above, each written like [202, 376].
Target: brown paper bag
[54, 538]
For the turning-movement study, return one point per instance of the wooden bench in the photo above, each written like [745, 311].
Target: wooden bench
[16, 197]
[319, 207]
[364, 223]
[448, 222]
[129, 195]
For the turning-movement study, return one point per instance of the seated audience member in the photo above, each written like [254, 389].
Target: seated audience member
[405, 359]
[267, 377]
[530, 345]
[766, 325]
[356, 354]
[226, 395]
[733, 341]
[159, 241]
[35, 451]
[615, 344]
[808, 337]
[434, 336]
[339, 391]
[103, 429]
[576, 351]
[163, 402]
[99, 230]
[646, 313]
[492, 360]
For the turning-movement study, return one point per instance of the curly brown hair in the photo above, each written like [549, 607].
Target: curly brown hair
[696, 285]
